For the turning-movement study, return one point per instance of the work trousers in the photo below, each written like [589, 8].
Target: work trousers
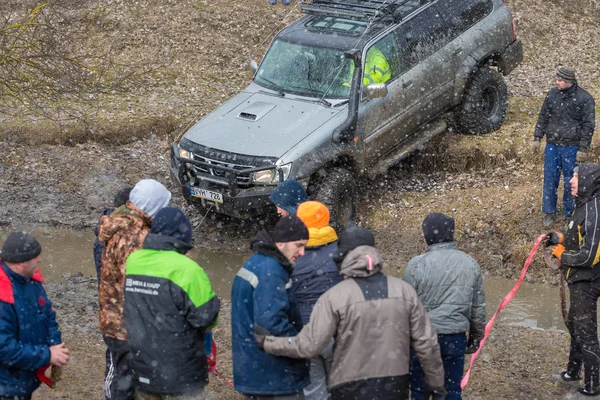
[117, 381]
[583, 327]
[453, 349]
[557, 159]
[290, 396]
[199, 394]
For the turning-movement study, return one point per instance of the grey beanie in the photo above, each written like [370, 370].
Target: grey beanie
[150, 196]
[566, 74]
[20, 247]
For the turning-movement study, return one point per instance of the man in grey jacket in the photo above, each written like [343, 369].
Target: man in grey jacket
[448, 282]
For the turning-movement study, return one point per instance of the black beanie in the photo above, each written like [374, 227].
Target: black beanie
[351, 239]
[122, 197]
[290, 229]
[20, 247]
[438, 228]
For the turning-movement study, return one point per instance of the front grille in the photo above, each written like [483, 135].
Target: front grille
[219, 176]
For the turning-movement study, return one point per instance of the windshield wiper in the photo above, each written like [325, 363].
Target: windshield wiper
[314, 92]
[341, 103]
[276, 87]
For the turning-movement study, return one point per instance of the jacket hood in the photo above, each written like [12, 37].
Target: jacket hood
[109, 226]
[264, 244]
[361, 262]
[155, 241]
[172, 222]
[288, 195]
[588, 183]
[150, 196]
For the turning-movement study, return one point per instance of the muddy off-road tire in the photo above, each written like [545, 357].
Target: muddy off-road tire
[337, 190]
[484, 104]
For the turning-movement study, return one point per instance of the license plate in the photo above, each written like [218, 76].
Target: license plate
[206, 194]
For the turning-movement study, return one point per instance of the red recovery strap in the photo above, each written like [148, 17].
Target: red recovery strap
[505, 301]
[40, 373]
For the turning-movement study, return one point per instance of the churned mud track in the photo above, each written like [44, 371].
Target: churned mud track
[65, 176]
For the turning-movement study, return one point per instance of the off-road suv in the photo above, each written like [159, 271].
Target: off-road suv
[345, 91]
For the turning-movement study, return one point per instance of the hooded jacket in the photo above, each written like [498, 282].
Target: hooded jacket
[122, 232]
[28, 328]
[314, 273]
[567, 117]
[169, 303]
[375, 320]
[259, 297]
[449, 284]
[582, 255]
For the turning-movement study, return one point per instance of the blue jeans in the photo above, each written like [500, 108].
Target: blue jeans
[557, 159]
[452, 348]
[320, 370]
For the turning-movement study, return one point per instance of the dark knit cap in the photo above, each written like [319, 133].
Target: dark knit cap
[20, 247]
[122, 196]
[438, 228]
[172, 222]
[290, 229]
[566, 74]
[288, 195]
[351, 239]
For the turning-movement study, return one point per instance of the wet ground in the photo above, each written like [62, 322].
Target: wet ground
[515, 357]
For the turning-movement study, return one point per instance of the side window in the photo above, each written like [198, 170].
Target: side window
[421, 36]
[382, 63]
[463, 14]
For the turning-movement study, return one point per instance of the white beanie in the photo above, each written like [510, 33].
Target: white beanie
[150, 196]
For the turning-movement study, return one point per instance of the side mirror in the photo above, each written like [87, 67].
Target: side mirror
[376, 91]
[253, 66]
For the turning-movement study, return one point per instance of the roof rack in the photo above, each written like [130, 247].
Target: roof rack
[374, 10]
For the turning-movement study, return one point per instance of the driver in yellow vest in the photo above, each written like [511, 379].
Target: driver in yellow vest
[377, 68]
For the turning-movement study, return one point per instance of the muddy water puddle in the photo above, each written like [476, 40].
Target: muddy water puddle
[68, 252]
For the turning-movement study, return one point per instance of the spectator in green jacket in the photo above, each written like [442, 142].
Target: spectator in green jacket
[169, 306]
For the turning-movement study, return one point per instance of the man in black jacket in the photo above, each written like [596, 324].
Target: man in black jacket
[567, 119]
[579, 252]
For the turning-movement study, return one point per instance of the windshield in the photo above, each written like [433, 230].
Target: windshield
[305, 70]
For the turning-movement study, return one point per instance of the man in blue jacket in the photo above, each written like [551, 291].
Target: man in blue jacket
[259, 297]
[29, 335]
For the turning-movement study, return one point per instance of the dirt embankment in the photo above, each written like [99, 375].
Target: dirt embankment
[65, 175]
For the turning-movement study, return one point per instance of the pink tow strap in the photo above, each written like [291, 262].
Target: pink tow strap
[505, 301]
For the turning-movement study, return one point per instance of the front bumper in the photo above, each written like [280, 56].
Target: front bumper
[239, 202]
[511, 58]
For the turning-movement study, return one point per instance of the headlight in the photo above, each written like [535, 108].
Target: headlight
[184, 153]
[271, 176]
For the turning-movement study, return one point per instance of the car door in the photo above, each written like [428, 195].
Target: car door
[417, 96]
[377, 117]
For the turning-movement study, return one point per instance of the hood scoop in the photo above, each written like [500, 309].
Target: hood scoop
[255, 111]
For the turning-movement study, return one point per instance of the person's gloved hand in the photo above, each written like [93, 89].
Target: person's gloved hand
[581, 155]
[558, 251]
[260, 334]
[435, 393]
[535, 145]
[553, 238]
[472, 346]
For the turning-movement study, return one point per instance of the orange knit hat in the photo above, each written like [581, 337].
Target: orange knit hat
[313, 214]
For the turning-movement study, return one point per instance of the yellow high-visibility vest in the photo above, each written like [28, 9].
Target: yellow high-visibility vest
[377, 68]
